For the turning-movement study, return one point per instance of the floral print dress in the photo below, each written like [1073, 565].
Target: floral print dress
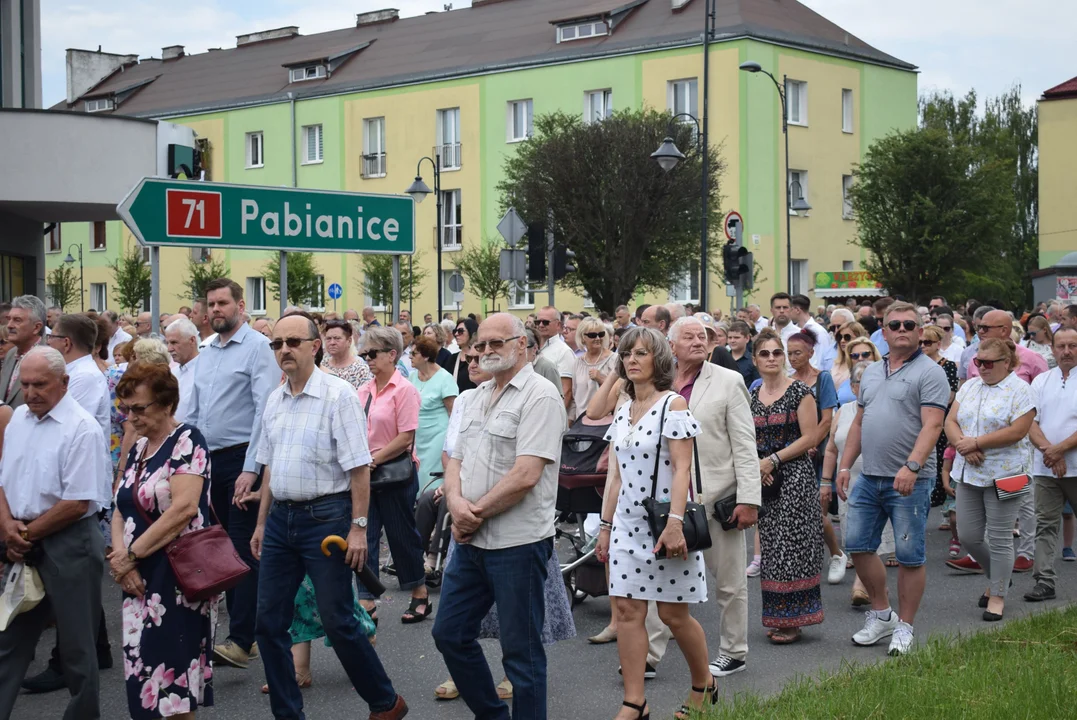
[167, 640]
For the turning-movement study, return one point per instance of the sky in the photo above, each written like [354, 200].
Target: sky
[988, 45]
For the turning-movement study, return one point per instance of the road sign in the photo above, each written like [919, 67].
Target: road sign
[512, 227]
[456, 282]
[513, 265]
[335, 291]
[732, 218]
[250, 217]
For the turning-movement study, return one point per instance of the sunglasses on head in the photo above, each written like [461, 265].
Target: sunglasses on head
[860, 356]
[595, 335]
[292, 342]
[337, 324]
[495, 345]
[896, 325]
[985, 364]
[765, 354]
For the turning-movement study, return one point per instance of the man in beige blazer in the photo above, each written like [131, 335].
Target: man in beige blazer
[25, 328]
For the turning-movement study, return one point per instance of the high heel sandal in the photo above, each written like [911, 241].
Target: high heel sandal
[639, 710]
[685, 712]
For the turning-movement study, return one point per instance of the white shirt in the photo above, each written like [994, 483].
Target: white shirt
[202, 344]
[1056, 414]
[59, 457]
[119, 337]
[557, 351]
[87, 385]
[311, 440]
[985, 409]
[406, 359]
[185, 376]
[459, 407]
[761, 323]
[953, 353]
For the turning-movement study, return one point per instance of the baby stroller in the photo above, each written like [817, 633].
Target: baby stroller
[580, 483]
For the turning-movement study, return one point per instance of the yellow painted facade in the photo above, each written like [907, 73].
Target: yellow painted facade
[1058, 191]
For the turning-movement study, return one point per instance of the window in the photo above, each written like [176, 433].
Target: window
[687, 290]
[308, 72]
[312, 144]
[520, 297]
[519, 120]
[683, 96]
[796, 101]
[799, 281]
[99, 104]
[846, 265]
[598, 105]
[317, 303]
[54, 243]
[846, 199]
[200, 254]
[255, 158]
[377, 303]
[97, 236]
[582, 31]
[447, 299]
[798, 188]
[448, 135]
[847, 111]
[451, 220]
[374, 147]
[98, 296]
[256, 295]
[147, 254]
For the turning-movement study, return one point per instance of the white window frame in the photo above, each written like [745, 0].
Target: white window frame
[799, 282]
[99, 105]
[606, 96]
[319, 148]
[201, 254]
[93, 237]
[54, 240]
[682, 291]
[309, 303]
[372, 302]
[582, 31]
[514, 108]
[255, 150]
[800, 176]
[799, 109]
[518, 291]
[846, 202]
[307, 72]
[447, 130]
[685, 87]
[374, 146]
[847, 266]
[99, 291]
[847, 111]
[256, 295]
[452, 222]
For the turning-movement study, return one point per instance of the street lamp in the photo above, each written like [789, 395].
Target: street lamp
[418, 191]
[70, 260]
[801, 203]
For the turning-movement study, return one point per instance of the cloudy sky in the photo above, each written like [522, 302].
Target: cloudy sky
[988, 45]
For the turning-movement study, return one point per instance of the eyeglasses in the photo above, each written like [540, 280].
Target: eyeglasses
[984, 328]
[767, 354]
[543, 323]
[638, 354]
[860, 356]
[945, 328]
[595, 335]
[495, 345]
[371, 354]
[985, 364]
[136, 409]
[459, 331]
[292, 342]
[469, 359]
[846, 337]
[896, 325]
[928, 343]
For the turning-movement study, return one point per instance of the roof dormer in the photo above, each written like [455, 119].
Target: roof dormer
[101, 102]
[594, 20]
[323, 66]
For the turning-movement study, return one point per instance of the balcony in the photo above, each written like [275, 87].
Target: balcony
[451, 157]
[453, 236]
[374, 165]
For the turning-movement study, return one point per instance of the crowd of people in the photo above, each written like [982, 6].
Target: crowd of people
[830, 433]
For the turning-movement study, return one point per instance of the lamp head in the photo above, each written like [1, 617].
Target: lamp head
[418, 189]
[69, 259]
[667, 155]
[752, 67]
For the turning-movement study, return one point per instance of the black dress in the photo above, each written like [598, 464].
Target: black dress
[458, 370]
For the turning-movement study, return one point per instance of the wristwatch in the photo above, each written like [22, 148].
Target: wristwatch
[132, 557]
[359, 522]
[913, 466]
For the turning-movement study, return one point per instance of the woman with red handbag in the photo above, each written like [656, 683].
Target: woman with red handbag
[164, 494]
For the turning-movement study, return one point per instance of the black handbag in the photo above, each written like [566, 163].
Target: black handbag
[697, 535]
[391, 473]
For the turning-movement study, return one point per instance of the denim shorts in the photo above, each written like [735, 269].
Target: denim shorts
[872, 501]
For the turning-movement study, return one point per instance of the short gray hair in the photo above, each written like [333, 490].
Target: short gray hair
[183, 326]
[33, 305]
[449, 326]
[151, 350]
[844, 313]
[52, 356]
[680, 323]
[857, 372]
[384, 338]
[981, 311]
[659, 349]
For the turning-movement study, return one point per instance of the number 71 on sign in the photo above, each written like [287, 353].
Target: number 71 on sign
[193, 214]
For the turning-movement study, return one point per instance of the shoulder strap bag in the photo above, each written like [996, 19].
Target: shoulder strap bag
[391, 473]
[696, 533]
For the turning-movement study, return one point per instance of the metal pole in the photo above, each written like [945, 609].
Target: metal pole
[396, 285]
[411, 289]
[550, 281]
[788, 191]
[155, 289]
[82, 283]
[283, 282]
[440, 239]
[709, 14]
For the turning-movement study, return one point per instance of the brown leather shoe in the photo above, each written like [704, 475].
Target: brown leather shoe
[397, 711]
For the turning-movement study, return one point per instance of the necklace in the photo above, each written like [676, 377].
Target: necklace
[638, 409]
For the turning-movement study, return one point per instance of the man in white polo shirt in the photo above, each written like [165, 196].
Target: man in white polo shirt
[182, 339]
[554, 349]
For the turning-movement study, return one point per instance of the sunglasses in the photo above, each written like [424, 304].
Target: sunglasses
[469, 359]
[543, 323]
[495, 345]
[985, 328]
[896, 325]
[928, 343]
[595, 335]
[860, 356]
[136, 409]
[847, 337]
[985, 364]
[373, 353]
[292, 342]
[766, 354]
[459, 331]
[945, 328]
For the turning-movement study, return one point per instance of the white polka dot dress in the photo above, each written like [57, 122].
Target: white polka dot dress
[634, 570]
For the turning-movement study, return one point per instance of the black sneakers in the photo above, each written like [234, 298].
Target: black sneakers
[724, 665]
[650, 673]
[1040, 593]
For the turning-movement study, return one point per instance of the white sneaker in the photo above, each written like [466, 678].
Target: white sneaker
[875, 629]
[837, 568]
[902, 640]
[753, 569]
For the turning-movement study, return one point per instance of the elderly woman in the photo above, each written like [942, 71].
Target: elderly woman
[654, 422]
[437, 390]
[842, 366]
[465, 332]
[437, 333]
[860, 349]
[1040, 339]
[596, 362]
[164, 494]
[786, 425]
[340, 358]
[988, 425]
[392, 411]
[263, 326]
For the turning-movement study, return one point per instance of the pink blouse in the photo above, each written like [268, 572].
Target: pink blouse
[392, 411]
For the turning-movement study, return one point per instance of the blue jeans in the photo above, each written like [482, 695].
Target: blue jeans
[514, 578]
[292, 548]
[226, 465]
[394, 509]
[873, 500]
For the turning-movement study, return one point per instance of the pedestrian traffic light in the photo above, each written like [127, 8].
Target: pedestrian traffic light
[733, 262]
[562, 261]
[536, 252]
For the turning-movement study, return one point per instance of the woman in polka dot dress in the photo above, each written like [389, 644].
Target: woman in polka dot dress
[656, 421]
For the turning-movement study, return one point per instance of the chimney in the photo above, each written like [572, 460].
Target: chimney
[172, 52]
[87, 68]
[263, 35]
[377, 17]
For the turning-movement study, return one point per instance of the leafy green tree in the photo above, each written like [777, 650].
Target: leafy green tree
[304, 281]
[377, 279]
[130, 280]
[481, 267]
[935, 215]
[200, 273]
[64, 286]
[632, 225]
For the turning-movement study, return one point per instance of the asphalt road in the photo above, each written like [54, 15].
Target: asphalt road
[583, 680]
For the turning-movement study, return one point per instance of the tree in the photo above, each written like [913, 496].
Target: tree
[632, 225]
[481, 268]
[377, 279]
[304, 282]
[64, 286]
[934, 215]
[200, 273]
[130, 280]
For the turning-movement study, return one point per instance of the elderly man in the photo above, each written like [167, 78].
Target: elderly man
[302, 486]
[500, 486]
[182, 339]
[350, 314]
[554, 349]
[840, 316]
[143, 325]
[369, 318]
[572, 323]
[404, 328]
[52, 315]
[755, 316]
[676, 311]
[656, 317]
[541, 365]
[232, 380]
[54, 478]
[902, 403]
[25, 328]
[729, 463]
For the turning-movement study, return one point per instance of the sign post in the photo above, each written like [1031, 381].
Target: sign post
[335, 291]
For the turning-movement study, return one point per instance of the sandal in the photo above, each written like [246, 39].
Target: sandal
[685, 712]
[891, 562]
[639, 709]
[304, 682]
[412, 614]
[783, 638]
[446, 691]
[372, 612]
[504, 689]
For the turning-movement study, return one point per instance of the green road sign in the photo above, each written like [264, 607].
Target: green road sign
[177, 213]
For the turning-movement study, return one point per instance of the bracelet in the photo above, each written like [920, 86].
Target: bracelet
[605, 524]
[675, 516]
[776, 460]
[826, 480]
[843, 470]
[826, 484]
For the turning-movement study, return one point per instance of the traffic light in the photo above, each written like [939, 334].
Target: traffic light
[747, 271]
[734, 263]
[562, 261]
[536, 252]
[185, 161]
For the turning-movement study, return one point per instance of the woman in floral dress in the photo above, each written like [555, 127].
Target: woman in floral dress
[164, 493]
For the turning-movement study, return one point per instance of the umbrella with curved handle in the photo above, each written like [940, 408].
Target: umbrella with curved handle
[366, 576]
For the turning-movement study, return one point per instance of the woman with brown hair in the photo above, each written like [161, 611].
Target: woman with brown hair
[1040, 339]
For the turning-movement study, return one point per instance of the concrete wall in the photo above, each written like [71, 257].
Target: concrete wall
[20, 67]
[86, 68]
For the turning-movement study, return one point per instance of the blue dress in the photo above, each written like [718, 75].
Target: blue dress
[433, 422]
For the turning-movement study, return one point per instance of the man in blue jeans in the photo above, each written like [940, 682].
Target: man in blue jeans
[500, 486]
[902, 405]
[317, 484]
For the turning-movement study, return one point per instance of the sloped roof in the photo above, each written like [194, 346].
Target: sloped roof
[491, 36]
[1067, 89]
